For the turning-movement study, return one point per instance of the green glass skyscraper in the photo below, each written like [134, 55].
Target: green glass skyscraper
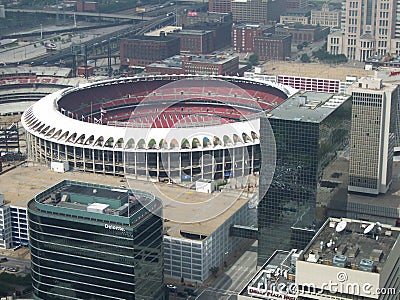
[309, 128]
[92, 241]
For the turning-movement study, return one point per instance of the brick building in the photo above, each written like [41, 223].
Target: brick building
[221, 32]
[202, 65]
[243, 36]
[304, 33]
[219, 6]
[143, 50]
[195, 41]
[272, 46]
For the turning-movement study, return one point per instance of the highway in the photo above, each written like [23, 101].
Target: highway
[102, 42]
[84, 14]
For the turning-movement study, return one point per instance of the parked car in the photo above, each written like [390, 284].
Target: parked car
[171, 287]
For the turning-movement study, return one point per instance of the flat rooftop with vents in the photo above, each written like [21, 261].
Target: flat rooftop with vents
[350, 253]
[308, 107]
[97, 202]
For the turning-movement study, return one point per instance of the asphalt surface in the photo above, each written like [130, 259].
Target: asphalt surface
[22, 265]
[227, 285]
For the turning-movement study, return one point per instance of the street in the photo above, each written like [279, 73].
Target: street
[21, 264]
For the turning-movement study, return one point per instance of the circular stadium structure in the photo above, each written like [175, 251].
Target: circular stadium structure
[162, 127]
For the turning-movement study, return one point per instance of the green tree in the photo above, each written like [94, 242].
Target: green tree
[253, 59]
[305, 58]
[300, 47]
[214, 271]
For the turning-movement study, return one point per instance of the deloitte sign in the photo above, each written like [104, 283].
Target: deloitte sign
[113, 227]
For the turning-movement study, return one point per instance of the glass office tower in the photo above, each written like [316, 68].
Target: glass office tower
[309, 129]
[91, 241]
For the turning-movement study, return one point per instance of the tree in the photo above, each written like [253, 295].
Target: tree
[305, 58]
[214, 271]
[253, 59]
[299, 47]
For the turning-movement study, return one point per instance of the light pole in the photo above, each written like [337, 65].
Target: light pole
[41, 32]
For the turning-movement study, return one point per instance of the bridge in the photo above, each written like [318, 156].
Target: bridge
[83, 14]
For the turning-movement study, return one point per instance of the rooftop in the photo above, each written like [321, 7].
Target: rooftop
[38, 71]
[25, 182]
[94, 201]
[308, 106]
[252, 26]
[166, 29]
[192, 32]
[176, 60]
[315, 70]
[278, 271]
[352, 244]
[271, 36]
[151, 38]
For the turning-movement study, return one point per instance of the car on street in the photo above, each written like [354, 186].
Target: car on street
[171, 287]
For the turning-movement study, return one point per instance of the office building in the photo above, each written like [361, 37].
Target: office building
[315, 84]
[346, 259]
[143, 50]
[92, 241]
[194, 64]
[309, 128]
[5, 228]
[350, 259]
[219, 6]
[368, 28]
[325, 17]
[278, 271]
[259, 11]
[372, 135]
[13, 224]
[243, 35]
[273, 46]
[296, 4]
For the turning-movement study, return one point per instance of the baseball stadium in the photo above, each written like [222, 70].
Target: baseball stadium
[155, 127]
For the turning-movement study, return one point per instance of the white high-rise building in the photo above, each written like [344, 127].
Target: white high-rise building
[372, 135]
[368, 28]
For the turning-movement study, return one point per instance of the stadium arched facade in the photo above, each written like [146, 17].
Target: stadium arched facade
[180, 127]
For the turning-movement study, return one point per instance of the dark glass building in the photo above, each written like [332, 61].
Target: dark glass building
[91, 241]
[308, 129]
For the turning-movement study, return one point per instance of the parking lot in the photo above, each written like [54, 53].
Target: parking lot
[17, 262]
